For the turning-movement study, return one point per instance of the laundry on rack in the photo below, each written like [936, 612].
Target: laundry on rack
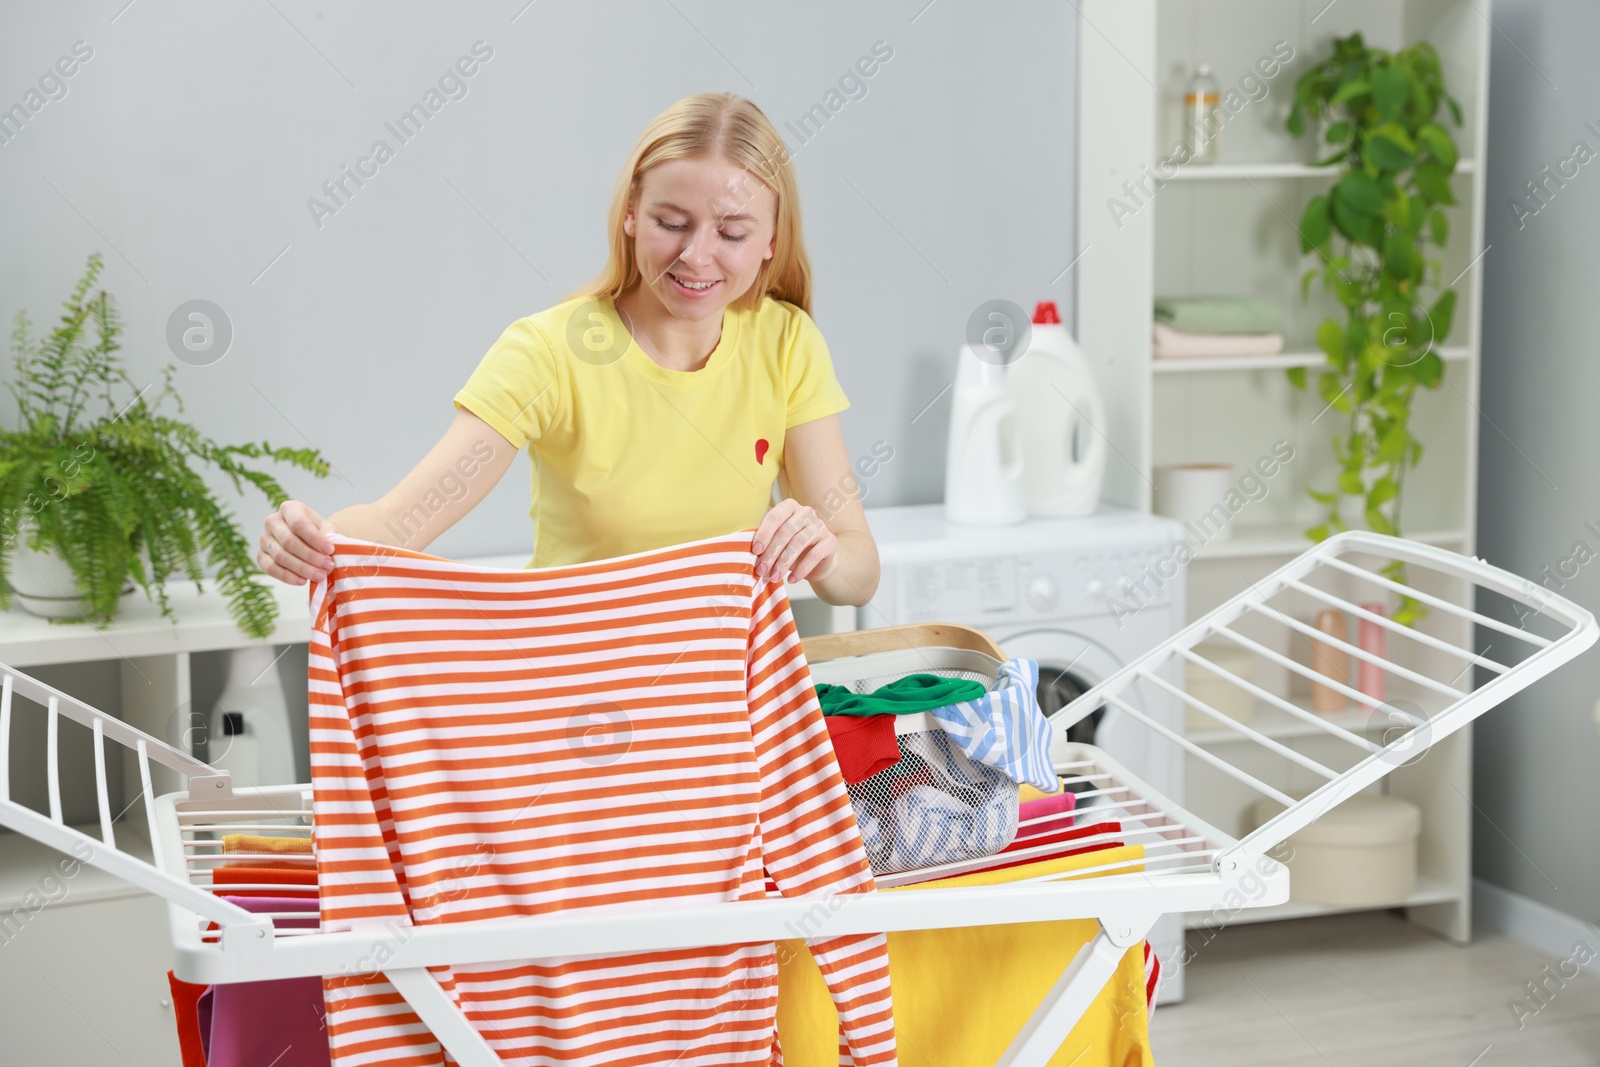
[259, 849]
[1004, 728]
[1045, 813]
[932, 826]
[496, 743]
[953, 794]
[191, 1043]
[903, 696]
[285, 881]
[277, 1022]
[1066, 840]
[967, 991]
[1027, 792]
[863, 745]
[1097, 837]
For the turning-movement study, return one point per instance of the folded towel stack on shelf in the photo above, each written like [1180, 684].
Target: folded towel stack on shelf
[1216, 327]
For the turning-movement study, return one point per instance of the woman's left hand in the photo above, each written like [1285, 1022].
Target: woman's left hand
[793, 543]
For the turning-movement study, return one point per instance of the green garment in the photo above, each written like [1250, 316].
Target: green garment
[1218, 314]
[903, 696]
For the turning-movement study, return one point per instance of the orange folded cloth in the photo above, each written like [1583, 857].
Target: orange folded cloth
[299, 882]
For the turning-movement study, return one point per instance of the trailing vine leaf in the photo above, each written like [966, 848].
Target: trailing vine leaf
[110, 491]
[1314, 225]
[1372, 234]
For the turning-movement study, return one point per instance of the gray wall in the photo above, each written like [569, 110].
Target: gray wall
[187, 147]
[1537, 774]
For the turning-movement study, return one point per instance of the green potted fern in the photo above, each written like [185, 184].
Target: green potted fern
[110, 499]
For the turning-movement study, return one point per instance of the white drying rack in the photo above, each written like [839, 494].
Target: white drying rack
[1187, 865]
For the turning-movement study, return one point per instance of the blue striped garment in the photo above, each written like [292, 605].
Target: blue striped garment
[1004, 728]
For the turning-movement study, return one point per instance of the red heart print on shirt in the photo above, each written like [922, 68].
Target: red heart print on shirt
[761, 449]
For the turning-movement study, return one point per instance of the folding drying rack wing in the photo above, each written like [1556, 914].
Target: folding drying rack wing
[1185, 865]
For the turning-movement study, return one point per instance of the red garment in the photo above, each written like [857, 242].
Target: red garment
[863, 744]
[300, 882]
[184, 994]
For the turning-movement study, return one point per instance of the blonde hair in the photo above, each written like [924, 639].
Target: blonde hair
[713, 126]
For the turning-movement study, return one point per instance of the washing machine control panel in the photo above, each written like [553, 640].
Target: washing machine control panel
[1039, 586]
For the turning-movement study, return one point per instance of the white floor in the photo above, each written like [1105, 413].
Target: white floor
[1370, 990]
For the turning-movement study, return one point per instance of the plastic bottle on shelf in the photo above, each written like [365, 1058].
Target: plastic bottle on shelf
[254, 689]
[1371, 639]
[1201, 127]
[237, 752]
[1330, 662]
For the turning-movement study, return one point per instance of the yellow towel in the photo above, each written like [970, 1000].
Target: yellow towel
[961, 994]
[254, 843]
[1026, 792]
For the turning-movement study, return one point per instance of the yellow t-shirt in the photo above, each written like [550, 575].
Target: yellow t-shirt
[629, 456]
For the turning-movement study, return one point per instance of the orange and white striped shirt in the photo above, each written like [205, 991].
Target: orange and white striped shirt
[494, 743]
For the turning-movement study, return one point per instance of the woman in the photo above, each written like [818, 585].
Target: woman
[662, 402]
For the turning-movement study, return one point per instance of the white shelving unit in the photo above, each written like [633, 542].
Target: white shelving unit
[1229, 228]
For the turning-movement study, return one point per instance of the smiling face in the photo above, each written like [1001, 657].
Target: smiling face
[699, 221]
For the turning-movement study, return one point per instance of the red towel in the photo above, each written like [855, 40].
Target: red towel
[191, 1049]
[292, 881]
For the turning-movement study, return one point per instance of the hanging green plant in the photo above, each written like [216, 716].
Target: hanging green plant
[112, 492]
[1372, 233]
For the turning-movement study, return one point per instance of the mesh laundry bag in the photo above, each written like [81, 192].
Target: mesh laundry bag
[953, 795]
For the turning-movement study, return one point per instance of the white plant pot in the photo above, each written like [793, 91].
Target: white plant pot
[43, 583]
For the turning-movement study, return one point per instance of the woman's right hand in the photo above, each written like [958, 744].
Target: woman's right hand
[294, 545]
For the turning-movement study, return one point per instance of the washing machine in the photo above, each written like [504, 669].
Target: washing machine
[1081, 597]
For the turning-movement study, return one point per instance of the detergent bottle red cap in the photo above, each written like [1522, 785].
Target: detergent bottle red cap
[1044, 314]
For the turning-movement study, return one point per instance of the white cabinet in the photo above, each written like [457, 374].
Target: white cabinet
[1229, 228]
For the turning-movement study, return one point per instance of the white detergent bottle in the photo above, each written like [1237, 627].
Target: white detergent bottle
[1063, 421]
[983, 468]
[254, 689]
[237, 751]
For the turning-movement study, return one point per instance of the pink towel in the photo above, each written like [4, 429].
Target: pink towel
[1182, 344]
[252, 1024]
[1063, 801]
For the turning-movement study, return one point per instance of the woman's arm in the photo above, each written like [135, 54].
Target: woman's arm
[818, 532]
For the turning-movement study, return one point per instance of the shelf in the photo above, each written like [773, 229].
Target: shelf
[1289, 539]
[1200, 172]
[1428, 891]
[1282, 361]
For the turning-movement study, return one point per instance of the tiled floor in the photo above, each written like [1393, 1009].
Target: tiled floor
[1370, 990]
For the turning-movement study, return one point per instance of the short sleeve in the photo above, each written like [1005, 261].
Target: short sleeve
[814, 391]
[516, 387]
